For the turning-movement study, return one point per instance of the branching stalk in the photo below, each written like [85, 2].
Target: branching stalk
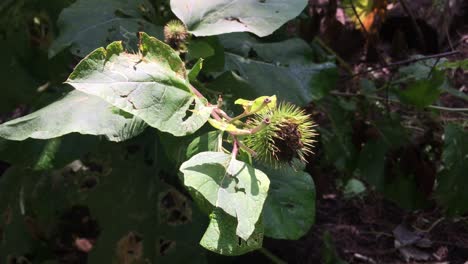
[246, 113]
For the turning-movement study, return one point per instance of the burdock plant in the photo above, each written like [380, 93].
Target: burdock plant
[273, 134]
[289, 135]
[176, 34]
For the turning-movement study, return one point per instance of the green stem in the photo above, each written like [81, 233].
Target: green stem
[272, 256]
[239, 117]
[244, 147]
[245, 114]
[448, 108]
[343, 63]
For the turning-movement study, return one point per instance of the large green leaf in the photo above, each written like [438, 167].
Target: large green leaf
[46, 154]
[75, 112]
[337, 141]
[221, 237]
[290, 51]
[453, 180]
[290, 74]
[423, 92]
[18, 86]
[261, 17]
[89, 24]
[153, 86]
[290, 207]
[229, 184]
[372, 163]
[126, 198]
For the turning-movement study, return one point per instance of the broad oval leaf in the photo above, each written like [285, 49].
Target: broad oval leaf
[152, 86]
[234, 186]
[214, 17]
[100, 22]
[76, 112]
[283, 68]
[290, 207]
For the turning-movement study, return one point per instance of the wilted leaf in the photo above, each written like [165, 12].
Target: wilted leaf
[76, 112]
[153, 87]
[229, 184]
[261, 17]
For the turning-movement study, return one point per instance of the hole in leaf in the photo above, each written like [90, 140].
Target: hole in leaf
[130, 248]
[174, 208]
[74, 235]
[175, 215]
[253, 54]
[189, 111]
[239, 241]
[166, 246]
[168, 201]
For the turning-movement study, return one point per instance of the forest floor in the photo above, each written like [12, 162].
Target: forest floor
[371, 229]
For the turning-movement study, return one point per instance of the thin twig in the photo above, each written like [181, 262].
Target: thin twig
[438, 221]
[442, 108]
[403, 62]
[338, 58]
[433, 68]
[364, 29]
[275, 259]
[449, 109]
[370, 43]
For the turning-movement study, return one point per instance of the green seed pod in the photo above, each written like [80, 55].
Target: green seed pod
[290, 134]
[175, 34]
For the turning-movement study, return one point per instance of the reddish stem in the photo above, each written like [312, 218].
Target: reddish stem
[196, 92]
[235, 148]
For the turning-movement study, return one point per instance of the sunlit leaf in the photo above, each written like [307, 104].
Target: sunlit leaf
[234, 186]
[153, 86]
[261, 17]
